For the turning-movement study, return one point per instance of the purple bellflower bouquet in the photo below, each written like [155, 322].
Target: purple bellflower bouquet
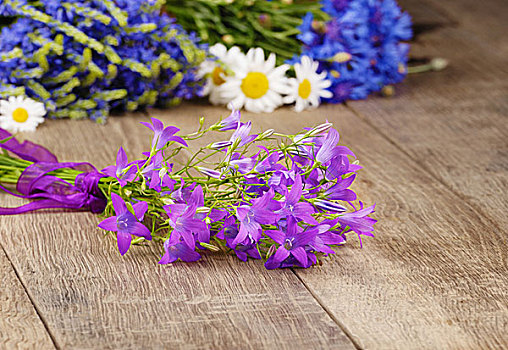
[284, 199]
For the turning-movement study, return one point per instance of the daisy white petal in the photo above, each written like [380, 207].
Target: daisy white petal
[309, 86]
[21, 114]
[216, 71]
[258, 84]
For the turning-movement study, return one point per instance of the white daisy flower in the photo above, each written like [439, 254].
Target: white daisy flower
[216, 71]
[309, 87]
[21, 114]
[258, 85]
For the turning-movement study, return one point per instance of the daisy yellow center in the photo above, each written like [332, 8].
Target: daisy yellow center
[216, 76]
[304, 89]
[20, 115]
[255, 85]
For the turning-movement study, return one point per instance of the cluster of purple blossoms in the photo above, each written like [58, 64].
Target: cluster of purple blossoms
[287, 203]
[83, 59]
[361, 47]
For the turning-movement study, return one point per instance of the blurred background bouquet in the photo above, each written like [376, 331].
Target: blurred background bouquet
[360, 45]
[83, 59]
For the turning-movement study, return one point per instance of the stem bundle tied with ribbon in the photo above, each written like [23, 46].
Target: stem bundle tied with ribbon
[281, 198]
[38, 182]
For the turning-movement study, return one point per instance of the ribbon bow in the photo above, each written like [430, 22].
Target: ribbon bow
[50, 191]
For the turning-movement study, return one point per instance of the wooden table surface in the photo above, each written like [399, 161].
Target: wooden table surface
[435, 276]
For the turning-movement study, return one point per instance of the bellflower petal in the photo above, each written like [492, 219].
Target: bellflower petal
[124, 242]
[109, 224]
[140, 209]
[118, 204]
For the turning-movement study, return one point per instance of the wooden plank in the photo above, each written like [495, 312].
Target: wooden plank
[483, 21]
[436, 276]
[454, 122]
[91, 297]
[20, 326]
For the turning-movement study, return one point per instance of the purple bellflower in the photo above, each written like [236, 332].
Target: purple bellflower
[270, 163]
[163, 135]
[340, 190]
[122, 171]
[292, 243]
[295, 209]
[231, 122]
[330, 150]
[252, 217]
[181, 251]
[242, 134]
[242, 165]
[340, 166]
[185, 225]
[125, 223]
[359, 221]
[228, 232]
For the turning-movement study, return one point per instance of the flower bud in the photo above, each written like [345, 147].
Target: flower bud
[388, 90]
[209, 172]
[162, 172]
[228, 39]
[202, 210]
[211, 247]
[329, 206]
[167, 200]
[266, 134]
[439, 63]
[335, 73]
[271, 251]
[342, 57]
[220, 145]
[265, 20]
[318, 130]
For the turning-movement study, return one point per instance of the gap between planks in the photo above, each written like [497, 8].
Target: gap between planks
[36, 309]
[426, 169]
[357, 344]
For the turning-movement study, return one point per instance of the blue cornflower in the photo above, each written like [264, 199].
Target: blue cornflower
[105, 62]
[360, 46]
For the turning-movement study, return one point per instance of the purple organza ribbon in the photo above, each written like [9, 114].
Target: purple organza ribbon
[26, 150]
[51, 191]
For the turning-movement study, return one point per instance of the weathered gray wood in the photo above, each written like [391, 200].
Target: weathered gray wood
[436, 275]
[483, 21]
[455, 122]
[20, 326]
[91, 297]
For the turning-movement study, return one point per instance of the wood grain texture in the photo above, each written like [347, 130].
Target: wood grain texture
[436, 275]
[91, 297]
[20, 326]
[483, 21]
[455, 122]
